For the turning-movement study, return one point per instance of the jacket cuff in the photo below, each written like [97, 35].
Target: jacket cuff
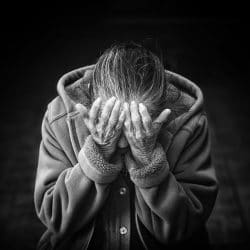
[151, 174]
[94, 164]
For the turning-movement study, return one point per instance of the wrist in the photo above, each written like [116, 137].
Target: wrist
[151, 174]
[143, 158]
[105, 151]
[95, 165]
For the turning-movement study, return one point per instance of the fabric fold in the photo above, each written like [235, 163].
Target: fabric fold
[151, 174]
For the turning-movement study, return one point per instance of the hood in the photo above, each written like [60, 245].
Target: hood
[73, 88]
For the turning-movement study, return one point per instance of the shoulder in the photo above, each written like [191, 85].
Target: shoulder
[195, 128]
[195, 122]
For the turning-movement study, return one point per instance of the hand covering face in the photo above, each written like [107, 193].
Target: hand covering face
[141, 132]
[107, 129]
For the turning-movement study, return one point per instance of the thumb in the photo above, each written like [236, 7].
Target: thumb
[163, 116]
[82, 109]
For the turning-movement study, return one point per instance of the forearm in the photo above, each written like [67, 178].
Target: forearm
[95, 165]
[70, 197]
[69, 203]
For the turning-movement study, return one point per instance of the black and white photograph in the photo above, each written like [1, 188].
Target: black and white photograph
[125, 125]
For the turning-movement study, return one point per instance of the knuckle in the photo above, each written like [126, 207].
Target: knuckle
[121, 120]
[91, 115]
[146, 120]
[112, 123]
[126, 123]
[136, 119]
[119, 125]
[109, 106]
[144, 113]
[106, 111]
[157, 125]
[99, 131]
[110, 103]
[104, 117]
[117, 106]
[108, 132]
[143, 109]
[130, 135]
[142, 106]
[115, 113]
[90, 125]
[95, 106]
[138, 136]
[114, 116]
[101, 124]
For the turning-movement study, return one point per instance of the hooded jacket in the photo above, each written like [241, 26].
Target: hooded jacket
[77, 192]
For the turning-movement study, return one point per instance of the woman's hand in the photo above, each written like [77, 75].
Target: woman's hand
[107, 129]
[141, 132]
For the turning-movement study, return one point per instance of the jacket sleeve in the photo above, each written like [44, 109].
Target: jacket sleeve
[67, 197]
[174, 204]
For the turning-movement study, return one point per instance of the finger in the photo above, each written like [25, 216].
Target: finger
[146, 118]
[127, 128]
[113, 118]
[114, 115]
[136, 119]
[127, 122]
[93, 113]
[162, 117]
[106, 112]
[121, 120]
[84, 111]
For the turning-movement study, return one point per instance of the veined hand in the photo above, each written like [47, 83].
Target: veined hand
[141, 132]
[107, 129]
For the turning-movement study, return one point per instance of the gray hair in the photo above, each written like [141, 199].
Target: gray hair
[131, 72]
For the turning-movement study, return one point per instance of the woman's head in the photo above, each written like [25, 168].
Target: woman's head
[131, 72]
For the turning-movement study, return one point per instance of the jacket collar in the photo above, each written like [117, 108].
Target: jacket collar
[84, 73]
[70, 78]
[69, 83]
[191, 89]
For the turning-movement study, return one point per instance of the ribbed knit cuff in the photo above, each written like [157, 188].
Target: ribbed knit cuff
[95, 166]
[151, 174]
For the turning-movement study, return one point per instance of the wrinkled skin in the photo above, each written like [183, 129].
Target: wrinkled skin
[141, 132]
[107, 129]
[131, 121]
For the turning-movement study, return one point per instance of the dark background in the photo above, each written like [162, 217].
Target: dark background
[206, 41]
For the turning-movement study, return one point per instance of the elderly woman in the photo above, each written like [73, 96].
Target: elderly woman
[124, 161]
